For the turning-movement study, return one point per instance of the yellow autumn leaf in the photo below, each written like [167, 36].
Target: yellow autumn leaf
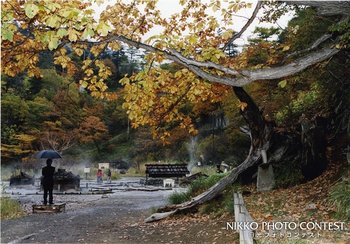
[78, 51]
[83, 83]
[227, 34]
[286, 48]
[193, 39]
[242, 105]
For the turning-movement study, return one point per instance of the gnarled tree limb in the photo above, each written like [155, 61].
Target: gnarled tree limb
[253, 158]
[260, 131]
[326, 8]
[260, 134]
[189, 61]
[291, 68]
[246, 76]
[315, 45]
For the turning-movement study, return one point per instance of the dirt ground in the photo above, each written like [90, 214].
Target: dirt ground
[119, 217]
[113, 218]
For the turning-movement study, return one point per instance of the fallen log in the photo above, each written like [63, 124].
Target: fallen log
[260, 133]
[159, 216]
[252, 159]
[19, 240]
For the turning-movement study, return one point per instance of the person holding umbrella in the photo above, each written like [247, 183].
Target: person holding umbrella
[47, 181]
[48, 172]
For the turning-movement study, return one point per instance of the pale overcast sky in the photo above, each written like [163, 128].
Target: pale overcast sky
[169, 7]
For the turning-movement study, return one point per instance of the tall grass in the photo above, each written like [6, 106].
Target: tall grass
[220, 205]
[10, 208]
[202, 184]
[136, 171]
[208, 170]
[115, 175]
[340, 197]
[196, 187]
[179, 197]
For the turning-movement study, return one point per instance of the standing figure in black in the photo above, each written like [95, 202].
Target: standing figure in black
[47, 181]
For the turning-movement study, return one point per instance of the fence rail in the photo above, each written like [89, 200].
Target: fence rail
[242, 216]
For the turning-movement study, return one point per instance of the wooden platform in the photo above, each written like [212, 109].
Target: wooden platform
[55, 208]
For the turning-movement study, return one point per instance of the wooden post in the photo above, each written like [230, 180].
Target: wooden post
[266, 178]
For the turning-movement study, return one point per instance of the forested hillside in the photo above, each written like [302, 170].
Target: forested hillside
[77, 84]
[51, 111]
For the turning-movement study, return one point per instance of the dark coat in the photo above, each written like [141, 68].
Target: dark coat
[47, 179]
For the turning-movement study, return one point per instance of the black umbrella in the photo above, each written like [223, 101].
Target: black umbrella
[48, 154]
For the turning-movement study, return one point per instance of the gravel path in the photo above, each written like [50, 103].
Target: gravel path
[91, 221]
[111, 218]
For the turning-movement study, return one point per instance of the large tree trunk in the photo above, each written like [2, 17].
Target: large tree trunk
[304, 151]
[283, 149]
[260, 132]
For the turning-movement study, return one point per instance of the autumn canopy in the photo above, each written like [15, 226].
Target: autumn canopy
[197, 41]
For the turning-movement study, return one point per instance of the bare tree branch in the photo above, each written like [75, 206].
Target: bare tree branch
[249, 22]
[326, 8]
[318, 42]
[245, 76]
[203, 64]
[58, 141]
